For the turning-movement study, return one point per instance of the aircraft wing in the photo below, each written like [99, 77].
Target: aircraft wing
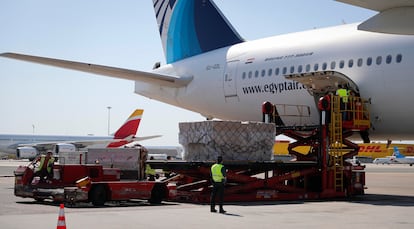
[395, 17]
[147, 77]
[145, 138]
[82, 144]
[43, 146]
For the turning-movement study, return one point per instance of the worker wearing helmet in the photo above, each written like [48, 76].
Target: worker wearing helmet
[218, 177]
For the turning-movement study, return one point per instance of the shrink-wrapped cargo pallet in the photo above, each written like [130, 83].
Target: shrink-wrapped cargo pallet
[235, 141]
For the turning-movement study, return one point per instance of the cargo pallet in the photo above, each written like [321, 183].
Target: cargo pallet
[322, 173]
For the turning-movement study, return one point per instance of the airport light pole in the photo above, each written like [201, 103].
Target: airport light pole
[109, 118]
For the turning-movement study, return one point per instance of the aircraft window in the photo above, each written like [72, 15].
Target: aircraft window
[324, 66]
[244, 75]
[316, 67]
[389, 59]
[250, 74]
[360, 62]
[277, 71]
[263, 73]
[308, 67]
[333, 65]
[341, 64]
[284, 70]
[300, 68]
[399, 58]
[379, 60]
[292, 69]
[350, 63]
[269, 72]
[369, 61]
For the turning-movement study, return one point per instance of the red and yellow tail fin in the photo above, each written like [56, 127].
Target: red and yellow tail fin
[128, 129]
[130, 126]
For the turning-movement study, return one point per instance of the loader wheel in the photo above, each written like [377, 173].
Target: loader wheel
[157, 194]
[38, 199]
[98, 195]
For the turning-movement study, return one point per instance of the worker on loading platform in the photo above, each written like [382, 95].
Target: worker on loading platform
[218, 177]
[150, 171]
[343, 94]
[45, 165]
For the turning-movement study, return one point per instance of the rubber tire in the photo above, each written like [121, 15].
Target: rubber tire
[157, 194]
[39, 199]
[97, 195]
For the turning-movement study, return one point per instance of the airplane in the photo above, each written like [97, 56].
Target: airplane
[388, 159]
[395, 158]
[210, 69]
[29, 146]
[383, 160]
[401, 158]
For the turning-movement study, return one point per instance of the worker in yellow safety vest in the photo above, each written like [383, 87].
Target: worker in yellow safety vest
[343, 94]
[218, 179]
[45, 165]
[150, 171]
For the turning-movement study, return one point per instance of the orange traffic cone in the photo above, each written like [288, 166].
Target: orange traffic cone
[61, 224]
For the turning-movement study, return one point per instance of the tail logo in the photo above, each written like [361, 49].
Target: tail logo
[191, 27]
[130, 126]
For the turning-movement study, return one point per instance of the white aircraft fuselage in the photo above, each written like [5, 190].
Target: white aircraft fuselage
[213, 71]
[380, 65]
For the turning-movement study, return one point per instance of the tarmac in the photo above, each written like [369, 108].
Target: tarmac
[388, 203]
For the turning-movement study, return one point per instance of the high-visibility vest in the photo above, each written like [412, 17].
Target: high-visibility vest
[343, 93]
[216, 173]
[49, 163]
[149, 170]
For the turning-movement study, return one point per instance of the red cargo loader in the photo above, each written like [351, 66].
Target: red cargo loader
[96, 183]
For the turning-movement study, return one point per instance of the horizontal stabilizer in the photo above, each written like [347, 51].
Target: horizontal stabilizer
[393, 21]
[147, 77]
[394, 17]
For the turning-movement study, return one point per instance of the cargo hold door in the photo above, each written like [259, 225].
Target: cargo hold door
[320, 83]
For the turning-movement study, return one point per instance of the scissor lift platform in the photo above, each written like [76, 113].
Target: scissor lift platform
[249, 181]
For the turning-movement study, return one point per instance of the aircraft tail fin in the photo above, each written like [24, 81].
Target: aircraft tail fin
[397, 153]
[130, 126]
[191, 27]
[126, 133]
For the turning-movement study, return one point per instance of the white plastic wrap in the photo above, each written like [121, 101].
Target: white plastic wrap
[234, 140]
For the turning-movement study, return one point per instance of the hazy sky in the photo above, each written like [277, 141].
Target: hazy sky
[121, 34]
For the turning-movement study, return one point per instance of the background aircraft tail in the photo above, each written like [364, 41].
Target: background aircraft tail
[191, 27]
[128, 129]
[397, 153]
[126, 133]
[130, 126]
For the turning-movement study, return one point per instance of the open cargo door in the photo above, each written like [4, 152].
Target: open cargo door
[321, 83]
